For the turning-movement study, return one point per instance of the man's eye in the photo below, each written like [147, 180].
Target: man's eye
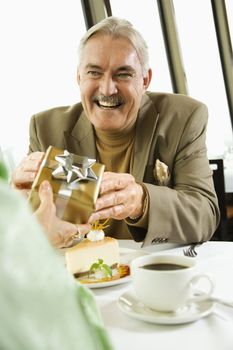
[93, 73]
[124, 76]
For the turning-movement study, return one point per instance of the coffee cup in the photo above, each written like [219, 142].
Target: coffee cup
[167, 282]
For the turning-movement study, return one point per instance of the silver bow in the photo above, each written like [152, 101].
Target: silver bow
[74, 168]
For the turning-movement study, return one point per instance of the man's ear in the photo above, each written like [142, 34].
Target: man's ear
[147, 79]
[78, 77]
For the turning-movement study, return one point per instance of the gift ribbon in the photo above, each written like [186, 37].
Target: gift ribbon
[74, 168]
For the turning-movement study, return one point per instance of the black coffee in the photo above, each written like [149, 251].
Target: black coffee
[163, 267]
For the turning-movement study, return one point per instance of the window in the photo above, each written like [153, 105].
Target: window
[39, 41]
[145, 18]
[202, 65]
[229, 8]
[199, 51]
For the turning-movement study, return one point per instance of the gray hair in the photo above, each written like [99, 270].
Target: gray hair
[119, 28]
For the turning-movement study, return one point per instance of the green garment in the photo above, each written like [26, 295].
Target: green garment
[41, 306]
[3, 170]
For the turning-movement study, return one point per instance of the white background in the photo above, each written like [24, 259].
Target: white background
[39, 41]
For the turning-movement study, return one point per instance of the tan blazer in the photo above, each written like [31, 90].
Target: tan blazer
[171, 128]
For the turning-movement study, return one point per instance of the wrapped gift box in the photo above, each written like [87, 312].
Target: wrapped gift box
[75, 181]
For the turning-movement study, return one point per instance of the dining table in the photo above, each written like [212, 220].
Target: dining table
[211, 328]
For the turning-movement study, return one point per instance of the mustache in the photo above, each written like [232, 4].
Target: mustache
[113, 99]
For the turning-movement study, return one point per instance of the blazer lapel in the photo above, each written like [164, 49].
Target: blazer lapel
[146, 124]
[81, 139]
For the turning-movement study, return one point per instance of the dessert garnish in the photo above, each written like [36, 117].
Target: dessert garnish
[97, 225]
[100, 268]
[101, 272]
[97, 230]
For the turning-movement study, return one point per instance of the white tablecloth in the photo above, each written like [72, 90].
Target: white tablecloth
[214, 332]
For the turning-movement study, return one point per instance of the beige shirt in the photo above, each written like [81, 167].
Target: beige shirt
[115, 150]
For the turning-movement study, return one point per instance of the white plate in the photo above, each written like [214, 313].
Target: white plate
[131, 306]
[126, 256]
[108, 283]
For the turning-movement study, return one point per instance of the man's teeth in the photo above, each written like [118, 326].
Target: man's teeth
[108, 104]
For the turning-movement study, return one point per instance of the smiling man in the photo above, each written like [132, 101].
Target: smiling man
[111, 82]
[158, 185]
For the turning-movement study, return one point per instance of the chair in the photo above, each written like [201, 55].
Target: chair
[229, 205]
[221, 234]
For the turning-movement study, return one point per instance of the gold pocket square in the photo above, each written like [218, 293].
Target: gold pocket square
[161, 173]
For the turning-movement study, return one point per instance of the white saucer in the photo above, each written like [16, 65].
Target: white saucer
[131, 306]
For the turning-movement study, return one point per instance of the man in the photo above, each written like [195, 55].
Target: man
[158, 185]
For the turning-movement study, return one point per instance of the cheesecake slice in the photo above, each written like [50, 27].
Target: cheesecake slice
[80, 257]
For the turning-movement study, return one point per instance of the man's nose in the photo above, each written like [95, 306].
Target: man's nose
[108, 86]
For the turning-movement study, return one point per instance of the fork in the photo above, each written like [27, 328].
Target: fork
[190, 251]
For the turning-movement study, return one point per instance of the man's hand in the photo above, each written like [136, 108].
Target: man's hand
[120, 197]
[59, 232]
[25, 173]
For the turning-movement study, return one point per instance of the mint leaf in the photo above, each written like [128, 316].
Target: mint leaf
[94, 267]
[102, 267]
[107, 270]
